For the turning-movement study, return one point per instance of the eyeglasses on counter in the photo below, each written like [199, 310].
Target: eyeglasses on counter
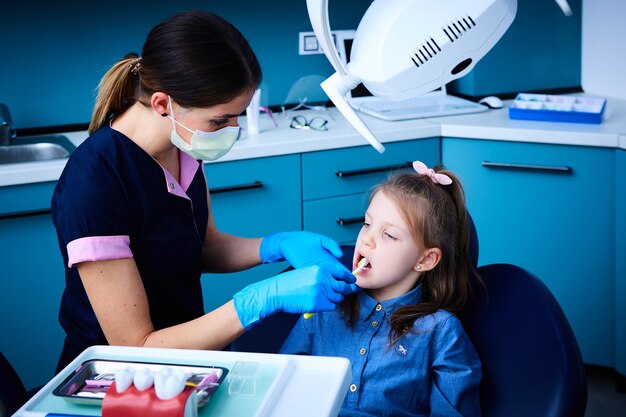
[315, 123]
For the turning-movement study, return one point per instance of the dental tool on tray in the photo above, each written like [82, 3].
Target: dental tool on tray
[359, 267]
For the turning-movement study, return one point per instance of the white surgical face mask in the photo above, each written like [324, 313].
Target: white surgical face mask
[208, 146]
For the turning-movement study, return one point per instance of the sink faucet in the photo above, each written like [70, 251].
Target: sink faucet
[6, 126]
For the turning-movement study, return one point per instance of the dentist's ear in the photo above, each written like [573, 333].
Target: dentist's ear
[160, 104]
[430, 258]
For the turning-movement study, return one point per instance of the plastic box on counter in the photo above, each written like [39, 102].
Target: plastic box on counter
[556, 108]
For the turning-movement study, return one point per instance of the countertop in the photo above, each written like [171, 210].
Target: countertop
[282, 140]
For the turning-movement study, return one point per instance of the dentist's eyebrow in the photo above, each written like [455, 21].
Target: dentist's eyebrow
[226, 116]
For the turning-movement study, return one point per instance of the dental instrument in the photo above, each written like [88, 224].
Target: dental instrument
[359, 267]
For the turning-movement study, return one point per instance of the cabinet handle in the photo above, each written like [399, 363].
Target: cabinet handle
[29, 213]
[352, 220]
[240, 187]
[524, 167]
[342, 174]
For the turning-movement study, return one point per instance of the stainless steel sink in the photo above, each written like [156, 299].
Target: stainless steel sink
[36, 148]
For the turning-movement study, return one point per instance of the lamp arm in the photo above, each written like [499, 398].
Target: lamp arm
[318, 15]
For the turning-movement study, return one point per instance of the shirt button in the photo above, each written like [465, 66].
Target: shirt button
[353, 388]
[362, 351]
[378, 307]
[172, 186]
[374, 323]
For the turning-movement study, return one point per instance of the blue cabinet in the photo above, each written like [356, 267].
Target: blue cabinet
[335, 183]
[549, 209]
[251, 198]
[31, 283]
[620, 266]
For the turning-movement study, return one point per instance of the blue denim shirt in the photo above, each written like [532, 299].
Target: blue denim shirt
[433, 371]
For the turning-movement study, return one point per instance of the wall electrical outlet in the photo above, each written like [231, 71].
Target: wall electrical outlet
[308, 44]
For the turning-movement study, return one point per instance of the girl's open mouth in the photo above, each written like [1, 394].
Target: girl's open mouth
[360, 267]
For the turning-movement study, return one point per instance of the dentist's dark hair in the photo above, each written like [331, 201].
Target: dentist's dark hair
[437, 218]
[196, 57]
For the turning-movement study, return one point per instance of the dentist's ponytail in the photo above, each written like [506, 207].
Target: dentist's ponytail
[116, 91]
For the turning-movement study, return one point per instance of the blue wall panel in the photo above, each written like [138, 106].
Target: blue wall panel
[54, 53]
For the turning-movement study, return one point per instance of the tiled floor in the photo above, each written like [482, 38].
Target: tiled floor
[603, 399]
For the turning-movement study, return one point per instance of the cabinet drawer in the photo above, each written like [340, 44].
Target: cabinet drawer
[340, 217]
[25, 198]
[31, 283]
[255, 197]
[355, 170]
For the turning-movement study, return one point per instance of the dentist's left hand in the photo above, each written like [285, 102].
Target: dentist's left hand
[308, 289]
[299, 249]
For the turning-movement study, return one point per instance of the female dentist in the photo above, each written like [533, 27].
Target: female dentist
[133, 213]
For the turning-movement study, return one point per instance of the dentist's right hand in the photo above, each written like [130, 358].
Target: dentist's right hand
[309, 289]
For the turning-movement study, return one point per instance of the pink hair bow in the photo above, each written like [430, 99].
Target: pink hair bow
[437, 178]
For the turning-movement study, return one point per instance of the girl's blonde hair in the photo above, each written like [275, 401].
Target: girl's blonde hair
[437, 218]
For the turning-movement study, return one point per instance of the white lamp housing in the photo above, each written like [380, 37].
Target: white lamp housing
[405, 48]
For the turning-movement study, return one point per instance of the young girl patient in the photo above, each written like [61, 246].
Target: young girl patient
[410, 355]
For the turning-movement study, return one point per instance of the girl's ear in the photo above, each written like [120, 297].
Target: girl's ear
[430, 258]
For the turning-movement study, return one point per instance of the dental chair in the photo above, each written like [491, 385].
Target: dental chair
[531, 361]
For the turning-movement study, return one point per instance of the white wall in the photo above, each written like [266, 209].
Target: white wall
[604, 47]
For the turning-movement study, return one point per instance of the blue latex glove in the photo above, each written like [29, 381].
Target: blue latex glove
[299, 249]
[308, 289]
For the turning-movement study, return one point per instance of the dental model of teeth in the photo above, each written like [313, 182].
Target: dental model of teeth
[168, 382]
[144, 392]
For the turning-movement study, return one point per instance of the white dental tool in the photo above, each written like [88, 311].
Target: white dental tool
[405, 48]
[359, 267]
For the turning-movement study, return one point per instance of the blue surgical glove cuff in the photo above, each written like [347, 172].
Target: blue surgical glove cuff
[270, 250]
[247, 306]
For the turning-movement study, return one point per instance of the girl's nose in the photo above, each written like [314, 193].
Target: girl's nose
[367, 240]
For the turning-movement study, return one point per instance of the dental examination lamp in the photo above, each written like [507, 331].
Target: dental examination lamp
[405, 48]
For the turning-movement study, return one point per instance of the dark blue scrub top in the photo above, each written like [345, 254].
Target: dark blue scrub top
[115, 201]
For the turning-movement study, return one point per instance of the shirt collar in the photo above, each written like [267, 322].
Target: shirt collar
[188, 168]
[367, 305]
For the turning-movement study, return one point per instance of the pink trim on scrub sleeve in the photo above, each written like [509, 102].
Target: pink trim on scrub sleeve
[98, 248]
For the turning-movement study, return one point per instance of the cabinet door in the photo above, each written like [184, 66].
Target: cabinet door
[251, 198]
[336, 183]
[31, 283]
[620, 269]
[339, 217]
[355, 170]
[551, 212]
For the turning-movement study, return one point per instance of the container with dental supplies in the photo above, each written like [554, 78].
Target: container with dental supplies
[127, 388]
[557, 108]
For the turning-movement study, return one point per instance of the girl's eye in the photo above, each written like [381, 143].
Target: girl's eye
[365, 225]
[390, 236]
